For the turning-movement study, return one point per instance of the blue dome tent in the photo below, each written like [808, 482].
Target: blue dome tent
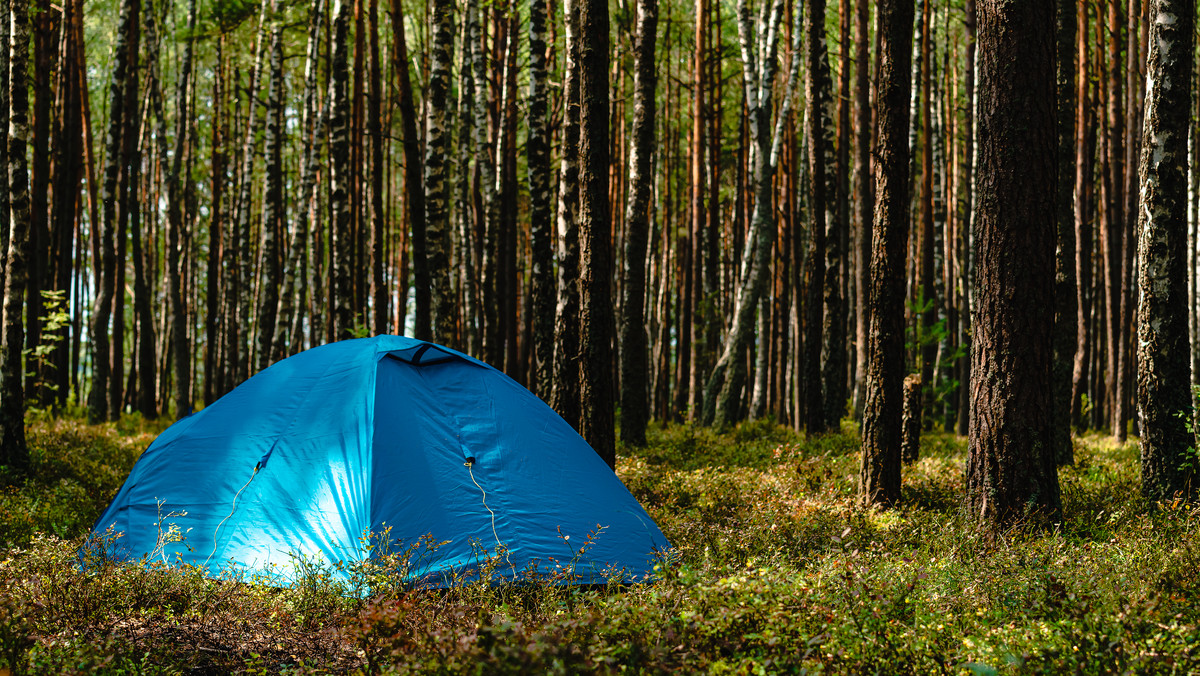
[385, 437]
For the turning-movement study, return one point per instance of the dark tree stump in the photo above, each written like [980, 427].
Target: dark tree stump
[910, 424]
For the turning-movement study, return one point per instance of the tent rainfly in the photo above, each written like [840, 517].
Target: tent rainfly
[403, 443]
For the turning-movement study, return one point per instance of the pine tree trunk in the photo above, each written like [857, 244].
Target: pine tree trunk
[64, 212]
[836, 118]
[698, 341]
[379, 223]
[1084, 121]
[414, 182]
[437, 205]
[879, 477]
[1163, 354]
[1011, 470]
[596, 423]
[927, 296]
[342, 244]
[540, 216]
[124, 54]
[180, 343]
[142, 238]
[635, 407]
[816, 95]
[13, 451]
[1065, 321]
[214, 364]
[966, 272]
[864, 203]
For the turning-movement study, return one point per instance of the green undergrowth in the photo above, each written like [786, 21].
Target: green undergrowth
[776, 571]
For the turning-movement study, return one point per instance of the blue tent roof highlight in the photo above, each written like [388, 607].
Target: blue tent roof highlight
[390, 437]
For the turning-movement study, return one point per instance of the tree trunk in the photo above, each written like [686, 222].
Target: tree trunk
[595, 255]
[541, 223]
[124, 54]
[723, 392]
[864, 204]
[925, 300]
[817, 96]
[215, 367]
[635, 408]
[379, 294]
[837, 226]
[288, 328]
[1163, 355]
[697, 307]
[13, 451]
[966, 273]
[879, 479]
[1084, 120]
[414, 182]
[341, 176]
[1011, 471]
[437, 205]
[273, 214]
[910, 434]
[564, 394]
[1065, 321]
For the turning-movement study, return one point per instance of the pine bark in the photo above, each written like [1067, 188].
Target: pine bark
[1084, 142]
[1163, 353]
[1065, 321]
[414, 182]
[817, 96]
[635, 406]
[837, 222]
[926, 297]
[879, 477]
[1012, 475]
[214, 364]
[375, 139]
[124, 54]
[864, 202]
[698, 308]
[834, 353]
[340, 175]
[596, 423]
[541, 223]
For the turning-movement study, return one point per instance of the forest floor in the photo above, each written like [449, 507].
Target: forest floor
[777, 571]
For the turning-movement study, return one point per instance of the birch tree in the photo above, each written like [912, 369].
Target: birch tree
[437, 207]
[1163, 353]
[722, 394]
[635, 407]
[13, 450]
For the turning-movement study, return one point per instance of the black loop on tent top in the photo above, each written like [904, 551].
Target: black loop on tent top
[424, 354]
[420, 352]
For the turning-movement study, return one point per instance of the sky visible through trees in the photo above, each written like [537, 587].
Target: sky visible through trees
[645, 211]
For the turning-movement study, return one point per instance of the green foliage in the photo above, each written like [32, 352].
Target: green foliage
[917, 338]
[776, 569]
